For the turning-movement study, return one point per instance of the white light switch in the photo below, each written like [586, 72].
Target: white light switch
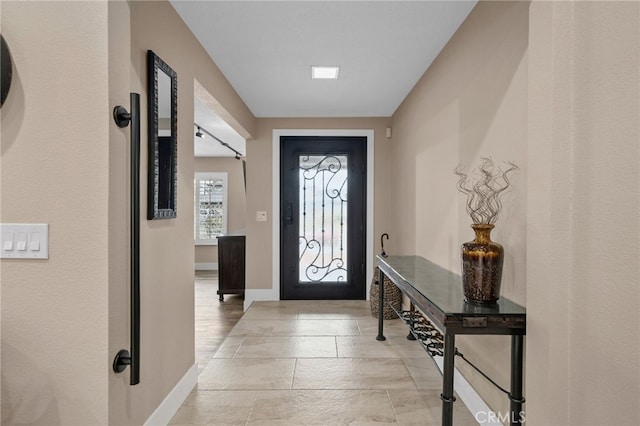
[24, 240]
[261, 216]
[21, 241]
[7, 241]
[34, 241]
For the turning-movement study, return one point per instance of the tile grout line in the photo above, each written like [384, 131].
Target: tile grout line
[238, 348]
[253, 405]
[393, 408]
[293, 376]
[413, 379]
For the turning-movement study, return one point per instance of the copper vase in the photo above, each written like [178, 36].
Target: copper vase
[482, 261]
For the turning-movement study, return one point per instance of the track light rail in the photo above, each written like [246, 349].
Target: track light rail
[223, 143]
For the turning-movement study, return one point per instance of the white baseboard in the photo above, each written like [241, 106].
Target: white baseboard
[470, 397]
[174, 400]
[254, 295]
[206, 266]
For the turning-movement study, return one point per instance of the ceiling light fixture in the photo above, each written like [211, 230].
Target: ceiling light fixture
[324, 72]
[199, 132]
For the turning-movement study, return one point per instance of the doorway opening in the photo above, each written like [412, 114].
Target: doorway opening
[219, 210]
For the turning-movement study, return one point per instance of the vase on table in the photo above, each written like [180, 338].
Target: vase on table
[482, 261]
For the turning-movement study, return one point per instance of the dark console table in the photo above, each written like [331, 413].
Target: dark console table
[437, 293]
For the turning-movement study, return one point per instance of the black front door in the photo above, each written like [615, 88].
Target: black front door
[323, 224]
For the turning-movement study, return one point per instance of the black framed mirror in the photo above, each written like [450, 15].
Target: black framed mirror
[162, 98]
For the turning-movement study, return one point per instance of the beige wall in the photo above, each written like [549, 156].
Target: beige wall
[65, 163]
[167, 251]
[119, 193]
[236, 211]
[260, 194]
[583, 245]
[55, 170]
[554, 87]
[471, 103]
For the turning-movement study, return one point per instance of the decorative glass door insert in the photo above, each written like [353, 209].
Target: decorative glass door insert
[323, 225]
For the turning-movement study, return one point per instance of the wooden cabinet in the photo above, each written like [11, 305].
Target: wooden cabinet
[231, 265]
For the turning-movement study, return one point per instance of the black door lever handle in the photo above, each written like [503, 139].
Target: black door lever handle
[288, 218]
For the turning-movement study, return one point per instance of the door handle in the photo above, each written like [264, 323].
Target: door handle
[288, 218]
[124, 357]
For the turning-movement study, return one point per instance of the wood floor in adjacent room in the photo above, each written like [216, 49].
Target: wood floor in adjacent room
[213, 319]
[308, 363]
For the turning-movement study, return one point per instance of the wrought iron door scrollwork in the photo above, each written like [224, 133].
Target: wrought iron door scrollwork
[323, 202]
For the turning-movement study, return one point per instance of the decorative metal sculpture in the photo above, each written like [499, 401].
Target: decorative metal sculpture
[482, 259]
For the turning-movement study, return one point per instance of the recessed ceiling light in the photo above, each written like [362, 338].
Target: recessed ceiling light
[325, 72]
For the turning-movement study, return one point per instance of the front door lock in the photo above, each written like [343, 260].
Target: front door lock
[288, 218]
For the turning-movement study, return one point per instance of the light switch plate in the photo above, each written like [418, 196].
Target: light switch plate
[24, 240]
[261, 216]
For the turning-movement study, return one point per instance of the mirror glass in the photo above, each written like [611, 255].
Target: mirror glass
[163, 148]
[164, 104]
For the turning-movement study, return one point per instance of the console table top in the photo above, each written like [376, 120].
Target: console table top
[440, 287]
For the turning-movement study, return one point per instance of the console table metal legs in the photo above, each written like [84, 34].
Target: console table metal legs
[517, 344]
[380, 336]
[447, 380]
[515, 396]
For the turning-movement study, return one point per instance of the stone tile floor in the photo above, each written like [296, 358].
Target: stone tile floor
[317, 363]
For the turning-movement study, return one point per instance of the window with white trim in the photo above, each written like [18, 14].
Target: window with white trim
[210, 207]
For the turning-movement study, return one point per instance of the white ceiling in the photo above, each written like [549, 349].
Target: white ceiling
[210, 121]
[266, 49]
